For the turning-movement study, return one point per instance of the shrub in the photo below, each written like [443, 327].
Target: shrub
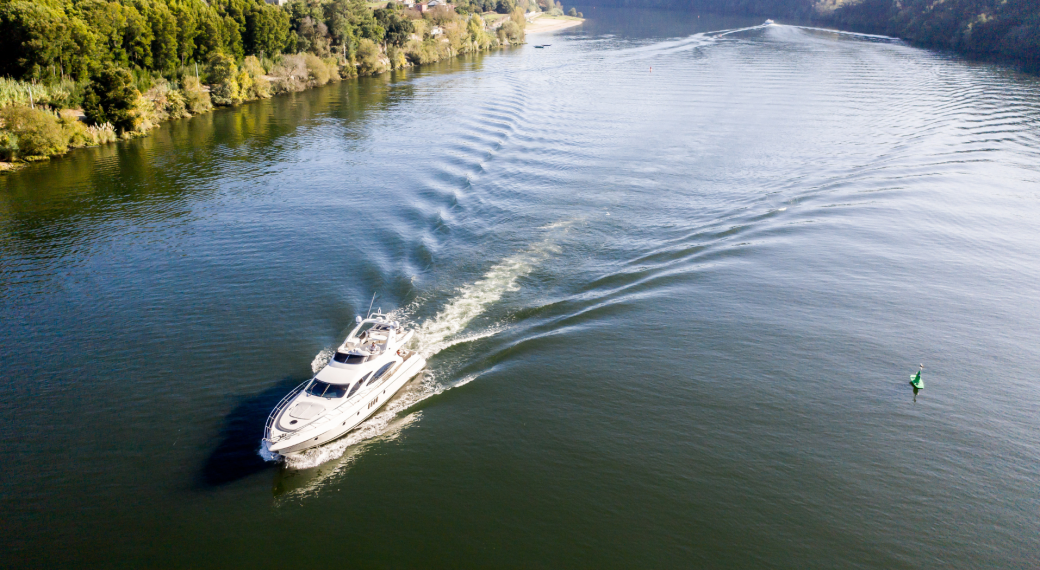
[76, 132]
[505, 6]
[195, 99]
[517, 16]
[573, 12]
[421, 52]
[80, 134]
[111, 97]
[370, 60]
[223, 73]
[290, 73]
[176, 105]
[8, 145]
[397, 57]
[510, 32]
[38, 132]
[332, 64]
[63, 94]
[317, 72]
[101, 134]
[480, 37]
[254, 84]
[160, 103]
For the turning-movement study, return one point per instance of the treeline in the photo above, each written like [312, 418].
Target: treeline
[988, 28]
[130, 64]
[71, 38]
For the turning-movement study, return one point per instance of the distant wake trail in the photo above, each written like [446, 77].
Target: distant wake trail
[688, 43]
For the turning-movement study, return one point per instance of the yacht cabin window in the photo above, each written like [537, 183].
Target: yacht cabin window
[379, 373]
[326, 390]
[358, 385]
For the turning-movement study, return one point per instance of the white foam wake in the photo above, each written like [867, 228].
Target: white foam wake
[445, 329]
[322, 358]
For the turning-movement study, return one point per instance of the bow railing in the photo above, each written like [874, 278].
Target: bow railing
[278, 409]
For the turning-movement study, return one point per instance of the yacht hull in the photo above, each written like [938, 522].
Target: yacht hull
[334, 426]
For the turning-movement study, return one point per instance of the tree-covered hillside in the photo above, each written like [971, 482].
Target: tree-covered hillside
[42, 38]
[995, 28]
[1007, 28]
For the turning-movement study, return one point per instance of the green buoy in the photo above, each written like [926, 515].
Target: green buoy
[916, 381]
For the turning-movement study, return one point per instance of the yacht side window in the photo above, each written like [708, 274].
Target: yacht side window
[358, 385]
[379, 373]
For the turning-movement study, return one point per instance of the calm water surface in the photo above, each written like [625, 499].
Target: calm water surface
[671, 316]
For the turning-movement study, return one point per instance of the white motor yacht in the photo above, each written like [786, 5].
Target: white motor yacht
[367, 370]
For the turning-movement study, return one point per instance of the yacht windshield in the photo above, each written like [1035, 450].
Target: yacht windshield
[326, 390]
[349, 358]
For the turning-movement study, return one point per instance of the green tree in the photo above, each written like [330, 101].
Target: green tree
[517, 16]
[505, 6]
[348, 21]
[232, 34]
[195, 99]
[164, 37]
[224, 76]
[38, 132]
[397, 27]
[267, 30]
[369, 58]
[252, 81]
[111, 97]
[33, 35]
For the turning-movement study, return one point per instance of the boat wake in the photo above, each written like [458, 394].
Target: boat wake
[445, 329]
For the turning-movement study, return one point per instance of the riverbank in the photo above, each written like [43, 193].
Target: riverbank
[44, 119]
[1005, 31]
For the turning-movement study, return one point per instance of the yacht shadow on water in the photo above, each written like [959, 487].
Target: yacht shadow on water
[236, 456]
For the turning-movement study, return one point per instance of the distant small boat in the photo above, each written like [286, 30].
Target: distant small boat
[539, 47]
[768, 23]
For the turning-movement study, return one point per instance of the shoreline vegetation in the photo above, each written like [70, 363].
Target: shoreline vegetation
[996, 30]
[79, 73]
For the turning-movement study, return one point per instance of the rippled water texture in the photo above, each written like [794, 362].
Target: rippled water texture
[671, 315]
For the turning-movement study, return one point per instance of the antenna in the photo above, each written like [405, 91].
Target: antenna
[370, 305]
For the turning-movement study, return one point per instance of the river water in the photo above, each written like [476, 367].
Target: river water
[671, 314]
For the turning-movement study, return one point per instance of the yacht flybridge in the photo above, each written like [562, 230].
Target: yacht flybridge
[367, 370]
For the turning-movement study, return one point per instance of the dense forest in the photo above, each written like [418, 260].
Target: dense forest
[81, 72]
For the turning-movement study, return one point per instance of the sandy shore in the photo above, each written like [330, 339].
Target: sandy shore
[544, 24]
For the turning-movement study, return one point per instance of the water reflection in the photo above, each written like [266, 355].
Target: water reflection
[81, 189]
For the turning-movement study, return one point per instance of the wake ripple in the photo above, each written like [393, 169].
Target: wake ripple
[445, 329]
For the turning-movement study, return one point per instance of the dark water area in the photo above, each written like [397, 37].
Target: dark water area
[671, 316]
